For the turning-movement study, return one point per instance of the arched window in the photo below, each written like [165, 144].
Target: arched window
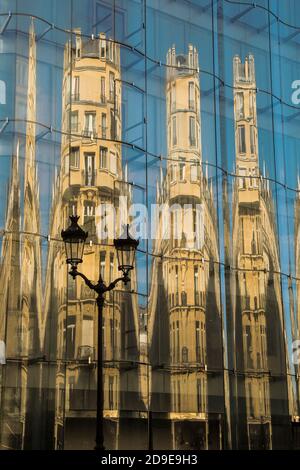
[2, 92]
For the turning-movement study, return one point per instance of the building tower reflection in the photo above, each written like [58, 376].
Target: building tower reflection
[22, 286]
[11, 426]
[185, 280]
[89, 177]
[258, 321]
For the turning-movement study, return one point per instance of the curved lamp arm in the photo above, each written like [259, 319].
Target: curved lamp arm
[100, 287]
[75, 273]
[112, 285]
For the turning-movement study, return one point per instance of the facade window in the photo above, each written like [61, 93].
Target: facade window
[248, 347]
[112, 125]
[172, 173]
[111, 267]
[240, 105]
[177, 341]
[191, 95]
[263, 340]
[253, 244]
[89, 211]
[198, 342]
[89, 217]
[89, 169]
[102, 263]
[111, 86]
[254, 178]
[185, 354]
[103, 157]
[72, 208]
[196, 285]
[173, 97]
[74, 121]
[112, 343]
[203, 342]
[181, 169]
[252, 139]
[111, 392]
[192, 131]
[90, 124]
[110, 50]
[102, 46]
[242, 179]
[242, 139]
[71, 334]
[102, 90]
[75, 88]
[195, 171]
[74, 157]
[174, 130]
[251, 103]
[176, 285]
[103, 125]
[113, 163]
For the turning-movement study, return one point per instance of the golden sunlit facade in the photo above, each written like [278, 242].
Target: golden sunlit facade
[91, 175]
[166, 118]
[257, 301]
[187, 274]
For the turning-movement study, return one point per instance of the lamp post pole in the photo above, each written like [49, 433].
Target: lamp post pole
[74, 238]
[100, 288]
[100, 382]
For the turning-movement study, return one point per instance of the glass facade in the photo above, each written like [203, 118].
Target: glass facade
[179, 118]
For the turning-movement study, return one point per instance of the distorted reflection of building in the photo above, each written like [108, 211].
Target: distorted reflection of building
[185, 322]
[21, 289]
[90, 175]
[294, 297]
[165, 356]
[258, 339]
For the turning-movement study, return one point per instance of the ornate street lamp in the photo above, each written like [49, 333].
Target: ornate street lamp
[126, 247]
[74, 238]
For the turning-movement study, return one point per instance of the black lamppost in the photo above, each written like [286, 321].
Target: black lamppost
[74, 238]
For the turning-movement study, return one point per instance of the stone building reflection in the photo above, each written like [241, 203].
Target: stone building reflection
[185, 323]
[90, 175]
[50, 375]
[21, 282]
[258, 338]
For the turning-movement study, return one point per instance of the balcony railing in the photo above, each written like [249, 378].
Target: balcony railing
[86, 353]
[88, 177]
[89, 134]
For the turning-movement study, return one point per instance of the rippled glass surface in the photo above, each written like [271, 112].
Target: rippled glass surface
[181, 120]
